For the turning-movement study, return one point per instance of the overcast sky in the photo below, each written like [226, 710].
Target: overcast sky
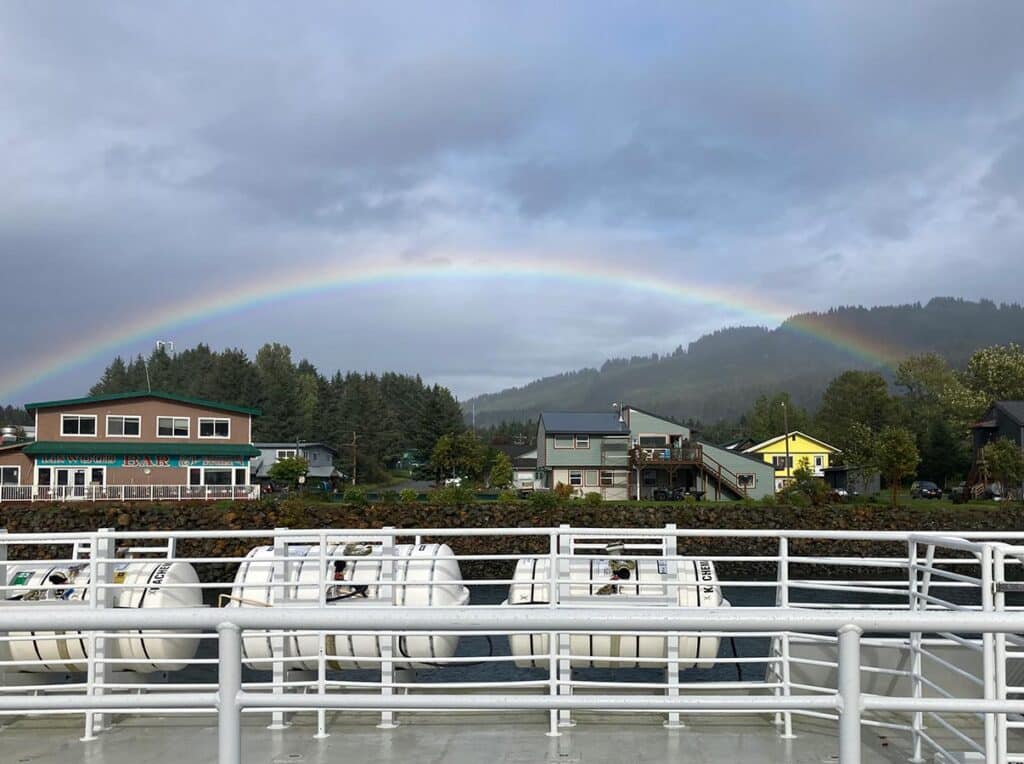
[810, 153]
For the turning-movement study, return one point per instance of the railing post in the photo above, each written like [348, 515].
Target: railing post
[988, 647]
[999, 605]
[562, 571]
[849, 694]
[672, 640]
[229, 684]
[321, 662]
[387, 644]
[916, 663]
[278, 596]
[102, 596]
[782, 600]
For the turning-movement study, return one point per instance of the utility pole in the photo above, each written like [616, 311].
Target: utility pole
[352, 445]
[785, 426]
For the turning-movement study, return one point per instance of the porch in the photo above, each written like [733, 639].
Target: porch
[127, 492]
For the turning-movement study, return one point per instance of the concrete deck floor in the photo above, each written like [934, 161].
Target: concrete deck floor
[458, 739]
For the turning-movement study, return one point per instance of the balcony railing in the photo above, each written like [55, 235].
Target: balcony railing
[127, 492]
[686, 454]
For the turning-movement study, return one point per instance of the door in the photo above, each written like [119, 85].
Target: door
[71, 482]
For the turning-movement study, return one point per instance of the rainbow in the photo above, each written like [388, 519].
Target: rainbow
[269, 288]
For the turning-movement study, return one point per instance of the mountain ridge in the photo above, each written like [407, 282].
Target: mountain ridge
[719, 375]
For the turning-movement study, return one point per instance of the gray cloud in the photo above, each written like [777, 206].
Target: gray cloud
[156, 154]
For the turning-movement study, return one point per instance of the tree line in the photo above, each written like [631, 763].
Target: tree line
[388, 414]
[922, 420]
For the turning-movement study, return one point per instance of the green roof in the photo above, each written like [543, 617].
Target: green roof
[43, 447]
[130, 396]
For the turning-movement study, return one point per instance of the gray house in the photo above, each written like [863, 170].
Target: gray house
[319, 456]
[636, 454]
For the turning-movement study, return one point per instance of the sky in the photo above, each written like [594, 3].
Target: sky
[793, 155]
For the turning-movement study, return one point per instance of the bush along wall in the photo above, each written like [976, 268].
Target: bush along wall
[77, 517]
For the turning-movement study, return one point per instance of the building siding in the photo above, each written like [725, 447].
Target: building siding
[49, 421]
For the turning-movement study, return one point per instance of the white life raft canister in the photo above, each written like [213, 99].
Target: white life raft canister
[142, 584]
[425, 575]
[616, 581]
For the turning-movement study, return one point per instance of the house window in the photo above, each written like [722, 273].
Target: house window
[747, 479]
[653, 441]
[590, 478]
[819, 462]
[171, 427]
[214, 428]
[607, 478]
[564, 441]
[286, 453]
[582, 441]
[575, 477]
[10, 475]
[650, 477]
[81, 425]
[779, 462]
[124, 426]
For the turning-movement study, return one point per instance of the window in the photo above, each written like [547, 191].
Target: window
[10, 475]
[590, 478]
[124, 426]
[779, 462]
[653, 441]
[214, 428]
[97, 476]
[171, 427]
[650, 477]
[582, 441]
[286, 453]
[45, 475]
[240, 477]
[217, 476]
[819, 462]
[575, 477]
[82, 425]
[747, 479]
[607, 478]
[564, 441]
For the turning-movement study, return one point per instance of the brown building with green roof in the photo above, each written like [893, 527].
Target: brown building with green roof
[132, 446]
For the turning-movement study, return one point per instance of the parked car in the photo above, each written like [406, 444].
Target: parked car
[676, 494]
[925, 489]
[452, 481]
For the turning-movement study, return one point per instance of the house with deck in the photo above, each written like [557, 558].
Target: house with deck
[634, 454]
[124, 446]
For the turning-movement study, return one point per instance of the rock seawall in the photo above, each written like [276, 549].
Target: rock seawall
[295, 513]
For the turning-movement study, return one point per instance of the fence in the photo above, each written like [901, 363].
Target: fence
[127, 492]
[929, 623]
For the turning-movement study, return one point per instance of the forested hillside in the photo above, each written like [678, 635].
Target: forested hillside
[388, 413]
[719, 376]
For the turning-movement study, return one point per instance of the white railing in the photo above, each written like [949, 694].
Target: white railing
[872, 635]
[11, 493]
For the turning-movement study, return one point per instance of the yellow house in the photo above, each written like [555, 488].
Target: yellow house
[802, 450]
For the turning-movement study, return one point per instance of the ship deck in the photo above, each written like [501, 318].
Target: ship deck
[449, 738]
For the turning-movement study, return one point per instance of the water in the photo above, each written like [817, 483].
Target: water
[745, 647]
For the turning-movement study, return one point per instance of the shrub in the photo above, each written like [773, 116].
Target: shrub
[355, 495]
[453, 496]
[506, 498]
[593, 499]
[544, 500]
[563, 492]
[408, 496]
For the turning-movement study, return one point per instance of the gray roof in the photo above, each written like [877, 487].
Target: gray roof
[1013, 409]
[583, 423]
[300, 444]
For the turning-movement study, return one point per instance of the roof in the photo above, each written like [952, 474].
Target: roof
[299, 444]
[1013, 409]
[43, 447]
[14, 445]
[132, 396]
[583, 423]
[777, 438]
